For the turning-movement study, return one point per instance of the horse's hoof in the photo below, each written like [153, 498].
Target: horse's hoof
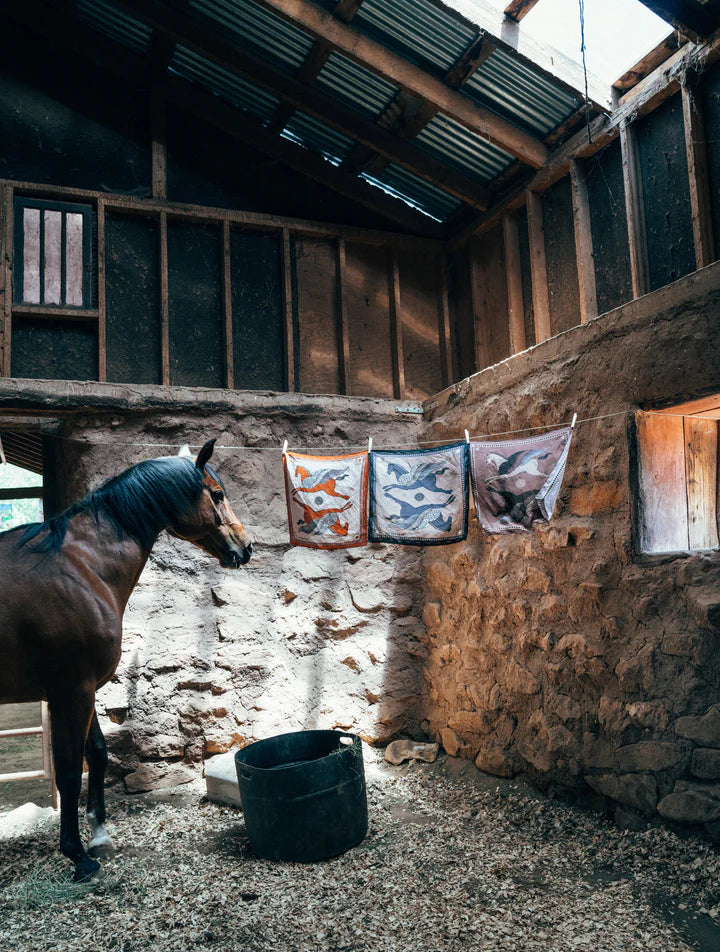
[102, 850]
[85, 870]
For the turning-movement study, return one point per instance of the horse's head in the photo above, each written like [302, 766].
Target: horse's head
[211, 524]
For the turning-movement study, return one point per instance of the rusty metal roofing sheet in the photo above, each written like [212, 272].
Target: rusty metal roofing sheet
[446, 139]
[354, 85]
[427, 198]
[24, 450]
[228, 86]
[417, 29]
[317, 137]
[513, 90]
[262, 31]
[115, 23]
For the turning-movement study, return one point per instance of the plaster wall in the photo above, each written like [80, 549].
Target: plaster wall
[564, 655]
[297, 639]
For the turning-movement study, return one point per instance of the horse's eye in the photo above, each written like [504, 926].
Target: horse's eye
[217, 495]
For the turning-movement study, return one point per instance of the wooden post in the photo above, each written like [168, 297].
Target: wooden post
[227, 307]
[480, 356]
[6, 287]
[342, 323]
[635, 211]
[583, 243]
[446, 369]
[164, 301]
[159, 142]
[48, 766]
[701, 473]
[513, 274]
[288, 311]
[396, 342]
[538, 267]
[101, 297]
[700, 207]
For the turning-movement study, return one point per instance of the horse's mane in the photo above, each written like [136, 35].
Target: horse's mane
[139, 503]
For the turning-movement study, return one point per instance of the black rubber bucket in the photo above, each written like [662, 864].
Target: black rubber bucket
[303, 795]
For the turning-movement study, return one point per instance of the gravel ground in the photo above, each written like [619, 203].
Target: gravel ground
[454, 861]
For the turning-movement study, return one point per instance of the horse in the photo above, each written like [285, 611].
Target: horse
[66, 583]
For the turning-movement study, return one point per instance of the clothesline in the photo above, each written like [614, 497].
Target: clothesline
[347, 447]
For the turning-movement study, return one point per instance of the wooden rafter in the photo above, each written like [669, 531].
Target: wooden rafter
[131, 69]
[234, 57]
[401, 72]
[694, 20]
[517, 9]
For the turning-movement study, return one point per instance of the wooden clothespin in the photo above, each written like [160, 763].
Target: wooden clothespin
[572, 425]
[369, 444]
[467, 437]
[284, 447]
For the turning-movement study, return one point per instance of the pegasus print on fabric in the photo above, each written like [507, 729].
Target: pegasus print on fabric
[419, 497]
[326, 499]
[516, 482]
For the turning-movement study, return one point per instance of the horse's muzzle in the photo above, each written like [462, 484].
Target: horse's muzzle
[235, 559]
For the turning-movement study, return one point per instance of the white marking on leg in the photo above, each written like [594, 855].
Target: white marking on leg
[100, 836]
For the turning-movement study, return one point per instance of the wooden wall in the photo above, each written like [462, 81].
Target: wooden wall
[626, 216]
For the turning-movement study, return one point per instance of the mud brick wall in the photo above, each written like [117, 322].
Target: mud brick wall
[564, 655]
[296, 639]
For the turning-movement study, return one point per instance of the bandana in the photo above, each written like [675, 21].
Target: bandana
[326, 499]
[516, 482]
[419, 497]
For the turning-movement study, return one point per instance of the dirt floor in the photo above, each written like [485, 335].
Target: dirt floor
[454, 861]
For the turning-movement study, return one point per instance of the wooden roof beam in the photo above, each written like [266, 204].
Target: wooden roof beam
[517, 9]
[235, 58]
[131, 68]
[399, 71]
[694, 20]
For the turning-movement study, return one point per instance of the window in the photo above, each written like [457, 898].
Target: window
[53, 254]
[678, 506]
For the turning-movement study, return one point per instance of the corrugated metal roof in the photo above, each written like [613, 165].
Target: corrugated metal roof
[228, 86]
[115, 23]
[354, 85]
[513, 90]
[427, 198]
[24, 450]
[317, 137]
[417, 29]
[446, 139]
[259, 29]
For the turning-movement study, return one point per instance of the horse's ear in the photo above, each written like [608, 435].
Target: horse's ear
[184, 451]
[204, 455]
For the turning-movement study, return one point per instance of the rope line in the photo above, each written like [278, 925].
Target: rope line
[344, 448]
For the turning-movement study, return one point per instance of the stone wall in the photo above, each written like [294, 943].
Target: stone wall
[297, 638]
[565, 655]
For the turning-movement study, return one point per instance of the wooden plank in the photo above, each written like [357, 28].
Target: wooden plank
[23, 775]
[517, 9]
[398, 360]
[227, 308]
[315, 274]
[47, 311]
[663, 515]
[6, 288]
[101, 296]
[367, 305]
[445, 341]
[699, 407]
[696, 151]
[26, 492]
[692, 19]
[513, 278]
[635, 212]
[538, 267]
[644, 66]
[489, 295]
[701, 472]
[342, 325]
[159, 143]
[290, 357]
[164, 301]
[418, 277]
[21, 732]
[583, 243]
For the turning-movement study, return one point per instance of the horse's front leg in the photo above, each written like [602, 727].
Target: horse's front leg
[70, 719]
[96, 756]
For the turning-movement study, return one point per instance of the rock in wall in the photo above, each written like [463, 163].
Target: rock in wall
[296, 639]
[565, 655]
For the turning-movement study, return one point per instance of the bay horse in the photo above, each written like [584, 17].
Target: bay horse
[65, 585]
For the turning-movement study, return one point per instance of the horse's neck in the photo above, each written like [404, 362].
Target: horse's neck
[117, 562]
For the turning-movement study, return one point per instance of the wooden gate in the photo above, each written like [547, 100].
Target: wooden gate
[47, 772]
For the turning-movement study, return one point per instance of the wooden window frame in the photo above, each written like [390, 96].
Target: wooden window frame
[20, 305]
